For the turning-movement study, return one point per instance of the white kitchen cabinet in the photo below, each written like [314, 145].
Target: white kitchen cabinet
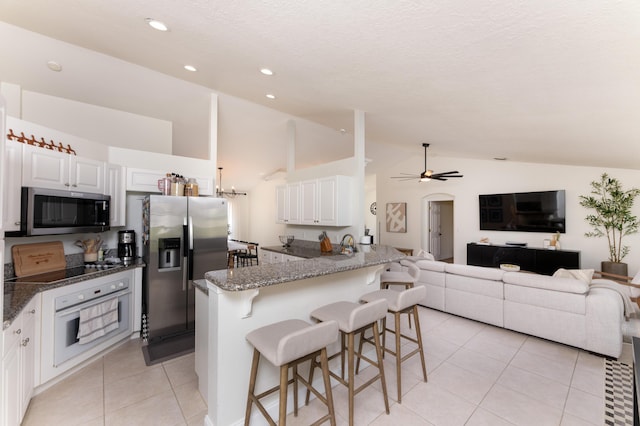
[19, 362]
[12, 183]
[288, 204]
[326, 201]
[115, 187]
[46, 168]
[202, 342]
[143, 180]
[269, 257]
[289, 258]
[11, 382]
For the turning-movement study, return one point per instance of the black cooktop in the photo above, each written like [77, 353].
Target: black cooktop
[62, 274]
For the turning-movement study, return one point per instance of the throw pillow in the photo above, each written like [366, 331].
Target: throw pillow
[583, 275]
[425, 254]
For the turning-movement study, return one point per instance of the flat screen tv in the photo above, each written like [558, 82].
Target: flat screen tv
[542, 211]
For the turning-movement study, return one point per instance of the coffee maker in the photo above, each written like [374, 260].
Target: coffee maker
[127, 246]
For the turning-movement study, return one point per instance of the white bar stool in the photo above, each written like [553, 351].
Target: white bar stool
[286, 344]
[400, 302]
[355, 318]
[403, 273]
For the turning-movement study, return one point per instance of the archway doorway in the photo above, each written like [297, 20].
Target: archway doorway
[437, 226]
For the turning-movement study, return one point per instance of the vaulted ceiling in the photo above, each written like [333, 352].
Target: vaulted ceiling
[544, 81]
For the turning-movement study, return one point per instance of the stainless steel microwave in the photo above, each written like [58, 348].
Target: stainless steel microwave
[52, 211]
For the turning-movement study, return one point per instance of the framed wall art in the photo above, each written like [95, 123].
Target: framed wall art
[396, 217]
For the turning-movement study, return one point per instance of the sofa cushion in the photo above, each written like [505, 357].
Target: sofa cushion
[545, 298]
[431, 265]
[475, 285]
[432, 278]
[475, 271]
[578, 274]
[567, 285]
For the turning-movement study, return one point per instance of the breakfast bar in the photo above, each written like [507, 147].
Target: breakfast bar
[232, 303]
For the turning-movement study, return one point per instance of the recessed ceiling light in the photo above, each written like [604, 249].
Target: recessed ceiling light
[270, 96]
[157, 25]
[190, 68]
[266, 71]
[54, 66]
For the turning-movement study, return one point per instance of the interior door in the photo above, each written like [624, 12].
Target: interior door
[434, 229]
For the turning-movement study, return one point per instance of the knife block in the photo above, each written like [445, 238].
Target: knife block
[325, 245]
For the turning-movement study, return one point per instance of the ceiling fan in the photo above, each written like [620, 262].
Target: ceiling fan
[428, 175]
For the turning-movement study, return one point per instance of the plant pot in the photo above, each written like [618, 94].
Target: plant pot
[617, 268]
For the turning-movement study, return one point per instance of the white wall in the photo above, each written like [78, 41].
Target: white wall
[486, 177]
[107, 126]
[370, 219]
[263, 228]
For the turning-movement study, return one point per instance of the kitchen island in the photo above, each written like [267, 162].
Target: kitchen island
[240, 300]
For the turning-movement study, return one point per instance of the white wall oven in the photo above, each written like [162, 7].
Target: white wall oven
[62, 314]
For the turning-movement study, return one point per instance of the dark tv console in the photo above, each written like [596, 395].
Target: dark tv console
[538, 260]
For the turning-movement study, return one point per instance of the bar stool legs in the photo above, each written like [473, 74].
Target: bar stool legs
[354, 318]
[287, 344]
[404, 302]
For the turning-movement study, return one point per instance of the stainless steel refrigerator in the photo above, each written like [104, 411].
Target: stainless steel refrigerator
[183, 238]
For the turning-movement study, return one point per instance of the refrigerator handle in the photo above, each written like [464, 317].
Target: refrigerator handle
[185, 239]
[190, 257]
[185, 253]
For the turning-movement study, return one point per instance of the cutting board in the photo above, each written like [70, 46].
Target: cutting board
[37, 258]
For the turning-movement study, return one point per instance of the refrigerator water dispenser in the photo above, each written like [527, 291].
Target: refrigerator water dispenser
[168, 253]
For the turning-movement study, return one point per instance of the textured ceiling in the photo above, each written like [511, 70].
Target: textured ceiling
[542, 81]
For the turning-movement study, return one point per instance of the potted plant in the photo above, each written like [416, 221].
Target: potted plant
[612, 218]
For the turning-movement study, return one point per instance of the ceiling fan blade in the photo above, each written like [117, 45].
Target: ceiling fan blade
[406, 177]
[447, 174]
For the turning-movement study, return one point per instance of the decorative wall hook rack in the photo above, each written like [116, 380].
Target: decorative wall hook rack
[51, 145]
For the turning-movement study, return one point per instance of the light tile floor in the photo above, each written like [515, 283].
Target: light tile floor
[478, 375]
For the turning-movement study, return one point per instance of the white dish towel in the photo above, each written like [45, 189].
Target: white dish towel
[98, 320]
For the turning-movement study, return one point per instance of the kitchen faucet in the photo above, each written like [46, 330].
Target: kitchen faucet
[348, 242]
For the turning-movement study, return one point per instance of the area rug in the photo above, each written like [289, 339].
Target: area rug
[618, 393]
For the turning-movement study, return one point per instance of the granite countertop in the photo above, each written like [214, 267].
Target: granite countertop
[252, 277]
[18, 294]
[304, 252]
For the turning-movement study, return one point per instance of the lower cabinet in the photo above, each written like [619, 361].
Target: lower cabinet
[268, 257]
[19, 363]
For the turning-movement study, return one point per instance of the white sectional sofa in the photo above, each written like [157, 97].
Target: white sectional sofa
[564, 310]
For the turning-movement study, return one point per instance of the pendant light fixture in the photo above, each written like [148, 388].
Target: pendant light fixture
[220, 192]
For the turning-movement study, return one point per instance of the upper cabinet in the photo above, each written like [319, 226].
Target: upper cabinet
[321, 202]
[143, 180]
[288, 204]
[12, 175]
[45, 168]
[115, 187]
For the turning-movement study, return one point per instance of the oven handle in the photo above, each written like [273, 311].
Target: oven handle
[77, 308]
